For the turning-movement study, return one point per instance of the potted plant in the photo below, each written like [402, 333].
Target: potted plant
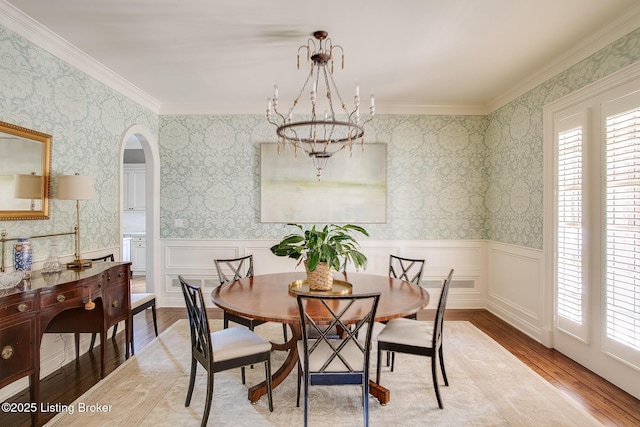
[322, 251]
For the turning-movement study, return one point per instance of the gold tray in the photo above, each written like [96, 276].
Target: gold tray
[302, 287]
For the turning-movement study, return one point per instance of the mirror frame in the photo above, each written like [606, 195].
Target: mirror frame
[46, 172]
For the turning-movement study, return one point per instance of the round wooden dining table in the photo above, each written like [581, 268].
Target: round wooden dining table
[268, 297]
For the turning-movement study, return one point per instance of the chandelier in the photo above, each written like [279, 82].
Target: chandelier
[329, 126]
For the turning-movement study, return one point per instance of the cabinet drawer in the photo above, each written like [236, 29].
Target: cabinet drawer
[116, 303]
[60, 297]
[16, 349]
[117, 276]
[72, 293]
[138, 239]
[17, 304]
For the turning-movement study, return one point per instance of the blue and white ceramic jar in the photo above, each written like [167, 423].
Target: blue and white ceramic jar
[23, 256]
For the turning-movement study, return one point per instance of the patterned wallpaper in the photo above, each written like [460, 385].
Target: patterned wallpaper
[436, 176]
[515, 142]
[86, 119]
[449, 177]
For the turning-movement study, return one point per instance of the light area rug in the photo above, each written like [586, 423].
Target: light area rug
[488, 386]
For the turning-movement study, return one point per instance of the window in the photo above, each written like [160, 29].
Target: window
[592, 225]
[569, 229]
[596, 226]
[622, 164]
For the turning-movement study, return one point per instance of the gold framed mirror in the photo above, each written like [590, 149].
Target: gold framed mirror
[25, 159]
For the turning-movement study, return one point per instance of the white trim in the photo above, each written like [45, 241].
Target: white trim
[382, 108]
[152, 194]
[515, 288]
[194, 258]
[25, 26]
[603, 38]
[617, 79]
[591, 353]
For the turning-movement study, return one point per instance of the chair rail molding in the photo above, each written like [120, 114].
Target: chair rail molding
[505, 279]
[193, 259]
[516, 291]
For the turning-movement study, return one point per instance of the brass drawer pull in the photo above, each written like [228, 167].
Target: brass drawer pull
[22, 307]
[61, 298]
[115, 303]
[121, 275]
[7, 352]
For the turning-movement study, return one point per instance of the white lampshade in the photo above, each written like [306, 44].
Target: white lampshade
[75, 187]
[28, 186]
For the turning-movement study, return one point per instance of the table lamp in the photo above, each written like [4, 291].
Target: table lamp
[28, 187]
[76, 187]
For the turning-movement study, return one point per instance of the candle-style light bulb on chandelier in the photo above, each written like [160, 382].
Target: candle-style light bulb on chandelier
[329, 127]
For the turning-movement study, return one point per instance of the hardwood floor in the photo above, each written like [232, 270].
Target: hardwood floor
[607, 403]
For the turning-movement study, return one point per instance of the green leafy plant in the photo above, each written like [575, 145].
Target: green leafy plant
[332, 244]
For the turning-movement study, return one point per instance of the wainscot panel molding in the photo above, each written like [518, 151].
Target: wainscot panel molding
[193, 259]
[516, 289]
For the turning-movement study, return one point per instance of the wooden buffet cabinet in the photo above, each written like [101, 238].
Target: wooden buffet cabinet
[56, 303]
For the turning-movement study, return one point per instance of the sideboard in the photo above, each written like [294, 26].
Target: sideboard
[60, 302]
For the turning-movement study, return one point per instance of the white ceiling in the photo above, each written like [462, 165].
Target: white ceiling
[417, 56]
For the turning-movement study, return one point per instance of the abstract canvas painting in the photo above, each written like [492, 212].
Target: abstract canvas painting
[352, 188]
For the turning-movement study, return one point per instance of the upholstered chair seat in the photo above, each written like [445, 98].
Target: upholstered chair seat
[405, 331]
[236, 342]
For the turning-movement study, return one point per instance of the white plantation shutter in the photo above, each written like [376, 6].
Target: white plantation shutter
[592, 225]
[617, 279]
[623, 234]
[570, 297]
[570, 224]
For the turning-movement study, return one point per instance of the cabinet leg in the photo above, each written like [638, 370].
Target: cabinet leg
[34, 395]
[128, 337]
[103, 340]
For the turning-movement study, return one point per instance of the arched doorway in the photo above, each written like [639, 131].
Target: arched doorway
[149, 146]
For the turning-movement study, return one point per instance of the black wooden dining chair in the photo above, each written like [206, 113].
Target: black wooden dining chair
[325, 360]
[416, 337]
[230, 270]
[409, 269]
[234, 269]
[220, 350]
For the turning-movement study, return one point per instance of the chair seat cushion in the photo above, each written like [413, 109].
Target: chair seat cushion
[237, 342]
[351, 353]
[407, 332]
[138, 299]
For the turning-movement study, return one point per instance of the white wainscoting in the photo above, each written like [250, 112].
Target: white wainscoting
[505, 279]
[516, 291]
[193, 259]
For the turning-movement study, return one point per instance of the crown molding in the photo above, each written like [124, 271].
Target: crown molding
[583, 50]
[381, 108]
[433, 109]
[25, 26]
[169, 109]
